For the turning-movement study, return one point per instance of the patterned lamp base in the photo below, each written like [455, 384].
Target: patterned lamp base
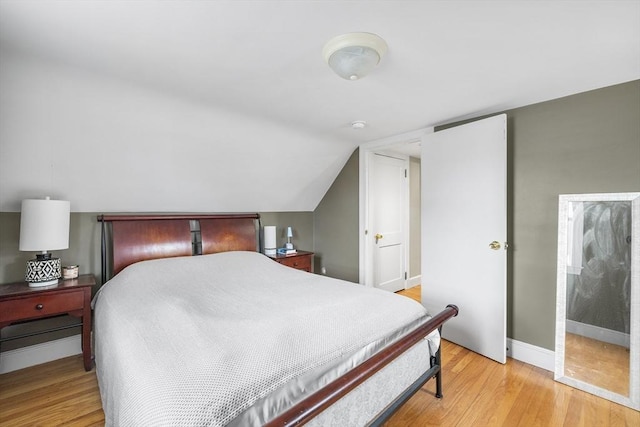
[42, 271]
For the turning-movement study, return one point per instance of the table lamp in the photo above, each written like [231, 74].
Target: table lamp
[289, 245]
[44, 226]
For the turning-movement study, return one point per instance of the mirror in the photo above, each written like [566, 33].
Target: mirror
[598, 295]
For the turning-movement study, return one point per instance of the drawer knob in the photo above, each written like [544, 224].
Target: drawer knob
[39, 307]
[295, 264]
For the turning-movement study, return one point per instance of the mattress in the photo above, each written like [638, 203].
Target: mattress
[233, 338]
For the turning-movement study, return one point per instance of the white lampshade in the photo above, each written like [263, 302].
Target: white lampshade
[353, 55]
[289, 232]
[44, 225]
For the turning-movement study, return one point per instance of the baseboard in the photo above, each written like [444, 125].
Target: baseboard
[531, 354]
[598, 333]
[20, 358]
[414, 281]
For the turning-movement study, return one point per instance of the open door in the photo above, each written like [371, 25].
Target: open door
[464, 227]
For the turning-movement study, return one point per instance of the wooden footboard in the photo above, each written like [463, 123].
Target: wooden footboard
[325, 397]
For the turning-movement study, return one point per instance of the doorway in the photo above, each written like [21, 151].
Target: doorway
[405, 146]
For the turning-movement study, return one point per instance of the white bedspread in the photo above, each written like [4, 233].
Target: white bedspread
[231, 338]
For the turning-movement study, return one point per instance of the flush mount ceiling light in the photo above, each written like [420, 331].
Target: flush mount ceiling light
[358, 124]
[353, 55]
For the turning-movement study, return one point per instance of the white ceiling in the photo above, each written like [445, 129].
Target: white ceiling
[262, 61]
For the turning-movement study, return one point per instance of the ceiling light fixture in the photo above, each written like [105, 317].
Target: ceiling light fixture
[358, 124]
[353, 55]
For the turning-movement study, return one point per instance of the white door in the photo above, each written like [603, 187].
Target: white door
[464, 208]
[388, 187]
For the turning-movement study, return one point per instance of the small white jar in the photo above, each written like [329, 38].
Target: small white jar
[70, 272]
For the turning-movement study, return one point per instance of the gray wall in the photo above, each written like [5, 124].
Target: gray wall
[585, 143]
[335, 223]
[301, 224]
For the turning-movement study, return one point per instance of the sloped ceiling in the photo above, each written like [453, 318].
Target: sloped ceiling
[225, 106]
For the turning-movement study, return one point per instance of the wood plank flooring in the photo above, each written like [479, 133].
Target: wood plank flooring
[477, 392]
[599, 363]
[52, 394]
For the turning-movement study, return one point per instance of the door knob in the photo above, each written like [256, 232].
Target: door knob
[495, 245]
[378, 236]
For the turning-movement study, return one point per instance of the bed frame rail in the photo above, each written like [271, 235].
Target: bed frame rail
[308, 408]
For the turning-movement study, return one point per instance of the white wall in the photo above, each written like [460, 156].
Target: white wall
[108, 145]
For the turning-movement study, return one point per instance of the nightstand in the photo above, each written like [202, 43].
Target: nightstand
[19, 302]
[302, 260]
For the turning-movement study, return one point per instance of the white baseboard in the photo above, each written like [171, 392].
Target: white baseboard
[531, 354]
[414, 281]
[20, 358]
[598, 333]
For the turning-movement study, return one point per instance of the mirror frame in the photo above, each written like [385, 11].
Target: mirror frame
[633, 400]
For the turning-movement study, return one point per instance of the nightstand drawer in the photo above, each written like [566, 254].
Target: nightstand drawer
[298, 262]
[301, 260]
[40, 306]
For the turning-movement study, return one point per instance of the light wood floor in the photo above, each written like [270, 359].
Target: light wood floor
[599, 363]
[413, 293]
[477, 392]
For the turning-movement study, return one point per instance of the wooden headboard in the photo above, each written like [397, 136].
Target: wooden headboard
[142, 237]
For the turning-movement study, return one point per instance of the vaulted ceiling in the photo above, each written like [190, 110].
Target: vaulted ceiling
[228, 105]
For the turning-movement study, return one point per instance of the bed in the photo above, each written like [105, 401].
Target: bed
[230, 337]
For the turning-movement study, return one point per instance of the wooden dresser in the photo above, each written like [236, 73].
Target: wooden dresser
[302, 260]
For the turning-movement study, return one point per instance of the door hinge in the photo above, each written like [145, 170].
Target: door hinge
[405, 275]
[405, 173]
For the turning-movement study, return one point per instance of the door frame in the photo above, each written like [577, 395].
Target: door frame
[365, 270]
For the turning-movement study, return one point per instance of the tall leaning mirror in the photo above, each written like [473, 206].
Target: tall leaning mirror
[598, 295]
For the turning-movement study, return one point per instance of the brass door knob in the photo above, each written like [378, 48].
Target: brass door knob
[495, 245]
[378, 236]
